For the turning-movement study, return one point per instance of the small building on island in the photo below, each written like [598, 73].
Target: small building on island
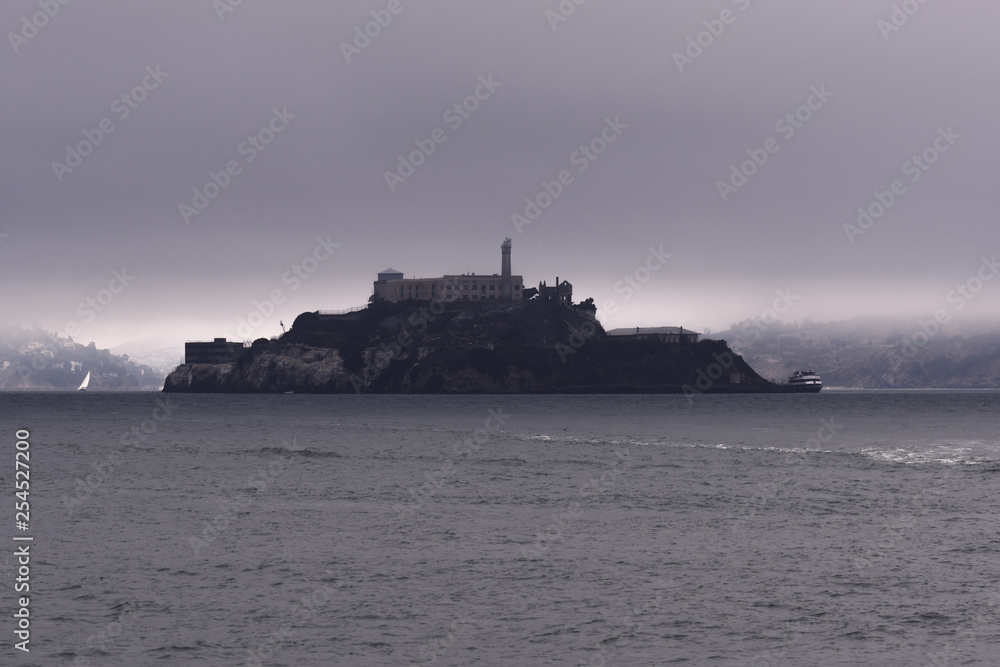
[219, 351]
[662, 334]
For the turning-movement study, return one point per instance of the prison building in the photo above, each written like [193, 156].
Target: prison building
[219, 351]
[561, 292]
[393, 287]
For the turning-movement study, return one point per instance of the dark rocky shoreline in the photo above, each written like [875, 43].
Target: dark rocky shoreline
[465, 348]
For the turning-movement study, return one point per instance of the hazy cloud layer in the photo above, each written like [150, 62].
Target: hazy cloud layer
[742, 136]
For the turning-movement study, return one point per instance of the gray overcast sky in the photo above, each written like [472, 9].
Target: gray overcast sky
[554, 85]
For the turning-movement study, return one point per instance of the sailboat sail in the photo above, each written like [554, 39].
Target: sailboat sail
[85, 383]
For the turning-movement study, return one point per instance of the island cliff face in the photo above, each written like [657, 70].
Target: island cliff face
[468, 347]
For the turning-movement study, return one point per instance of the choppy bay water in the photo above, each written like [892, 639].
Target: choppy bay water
[846, 528]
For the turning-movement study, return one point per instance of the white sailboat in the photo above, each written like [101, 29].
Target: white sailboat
[86, 383]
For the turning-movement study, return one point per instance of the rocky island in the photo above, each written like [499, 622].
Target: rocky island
[536, 346]
[463, 334]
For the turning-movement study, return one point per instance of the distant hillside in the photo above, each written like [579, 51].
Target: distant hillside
[34, 359]
[161, 353]
[870, 353]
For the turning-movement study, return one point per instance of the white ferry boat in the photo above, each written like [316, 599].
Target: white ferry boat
[805, 381]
